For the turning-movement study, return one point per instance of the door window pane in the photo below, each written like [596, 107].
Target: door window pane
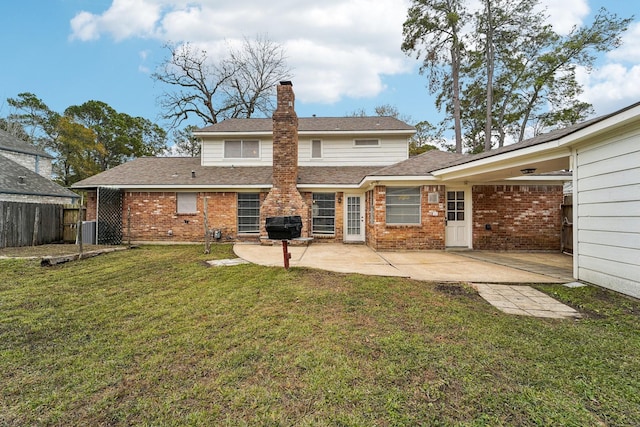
[455, 205]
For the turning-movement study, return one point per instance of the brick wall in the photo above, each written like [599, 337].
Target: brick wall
[429, 234]
[284, 199]
[521, 217]
[154, 216]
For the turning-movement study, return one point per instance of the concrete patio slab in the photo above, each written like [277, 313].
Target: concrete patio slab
[419, 265]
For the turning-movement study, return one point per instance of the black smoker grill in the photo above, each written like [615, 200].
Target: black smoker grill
[284, 227]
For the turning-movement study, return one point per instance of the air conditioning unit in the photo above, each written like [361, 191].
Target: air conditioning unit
[89, 232]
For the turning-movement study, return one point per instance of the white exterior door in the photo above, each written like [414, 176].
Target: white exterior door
[354, 218]
[457, 231]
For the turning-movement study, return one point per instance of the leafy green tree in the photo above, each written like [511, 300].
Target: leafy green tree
[514, 73]
[77, 149]
[87, 138]
[425, 139]
[37, 120]
[186, 143]
[119, 137]
[433, 31]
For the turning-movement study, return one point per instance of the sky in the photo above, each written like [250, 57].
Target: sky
[345, 54]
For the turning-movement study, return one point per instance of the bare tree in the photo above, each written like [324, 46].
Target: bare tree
[238, 85]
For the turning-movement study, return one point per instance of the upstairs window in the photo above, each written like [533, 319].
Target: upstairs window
[366, 142]
[242, 149]
[403, 205]
[316, 149]
[186, 203]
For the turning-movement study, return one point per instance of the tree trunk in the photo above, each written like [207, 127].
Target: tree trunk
[490, 59]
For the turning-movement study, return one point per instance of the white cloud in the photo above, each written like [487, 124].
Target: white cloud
[610, 87]
[122, 20]
[630, 49]
[336, 48]
[565, 14]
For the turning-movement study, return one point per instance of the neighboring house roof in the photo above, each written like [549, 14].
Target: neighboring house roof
[31, 183]
[313, 124]
[176, 172]
[9, 142]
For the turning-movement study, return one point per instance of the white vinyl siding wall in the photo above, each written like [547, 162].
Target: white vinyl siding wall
[607, 185]
[343, 151]
[335, 152]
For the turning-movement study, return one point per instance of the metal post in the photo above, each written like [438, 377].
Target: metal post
[286, 254]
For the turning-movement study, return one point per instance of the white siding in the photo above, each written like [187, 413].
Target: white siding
[38, 164]
[335, 152]
[607, 178]
[342, 151]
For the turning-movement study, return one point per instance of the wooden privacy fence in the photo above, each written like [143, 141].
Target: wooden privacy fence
[30, 224]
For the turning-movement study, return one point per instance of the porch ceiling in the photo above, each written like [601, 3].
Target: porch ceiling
[497, 169]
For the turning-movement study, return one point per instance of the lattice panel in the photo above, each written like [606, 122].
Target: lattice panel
[109, 216]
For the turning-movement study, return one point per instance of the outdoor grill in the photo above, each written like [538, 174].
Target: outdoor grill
[284, 227]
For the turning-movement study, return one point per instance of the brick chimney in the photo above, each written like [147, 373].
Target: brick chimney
[284, 199]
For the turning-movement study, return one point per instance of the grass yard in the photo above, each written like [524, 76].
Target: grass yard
[153, 336]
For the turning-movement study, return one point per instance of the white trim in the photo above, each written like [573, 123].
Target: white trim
[177, 187]
[269, 133]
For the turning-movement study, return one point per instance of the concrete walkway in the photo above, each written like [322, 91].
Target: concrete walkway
[493, 274]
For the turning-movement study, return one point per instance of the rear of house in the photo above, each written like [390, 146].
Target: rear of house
[350, 179]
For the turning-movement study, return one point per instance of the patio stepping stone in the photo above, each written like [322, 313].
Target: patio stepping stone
[525, 301]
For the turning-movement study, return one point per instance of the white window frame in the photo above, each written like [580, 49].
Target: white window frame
[242, 142]
[397, 201]
[315, 213]
[366, 142]
[186, 203]
[244, 228]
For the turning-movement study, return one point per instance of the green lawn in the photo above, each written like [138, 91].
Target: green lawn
[153, 336]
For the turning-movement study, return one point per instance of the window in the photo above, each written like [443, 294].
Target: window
[455, 205]
[316, 149]
[248, 212]
[403, 205]
[366, 142]
[186, 203]
[241, 149]
[324, 213]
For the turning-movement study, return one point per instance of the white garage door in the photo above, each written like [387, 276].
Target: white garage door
[607, 186]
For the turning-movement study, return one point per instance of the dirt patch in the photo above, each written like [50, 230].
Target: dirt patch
[48, 250]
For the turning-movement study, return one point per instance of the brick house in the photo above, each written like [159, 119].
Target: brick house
[350, 179]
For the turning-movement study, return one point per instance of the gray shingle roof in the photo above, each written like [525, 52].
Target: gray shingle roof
[9, 142]
[176, 171]
[313, 124]
[32, 184]
[422, 164]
